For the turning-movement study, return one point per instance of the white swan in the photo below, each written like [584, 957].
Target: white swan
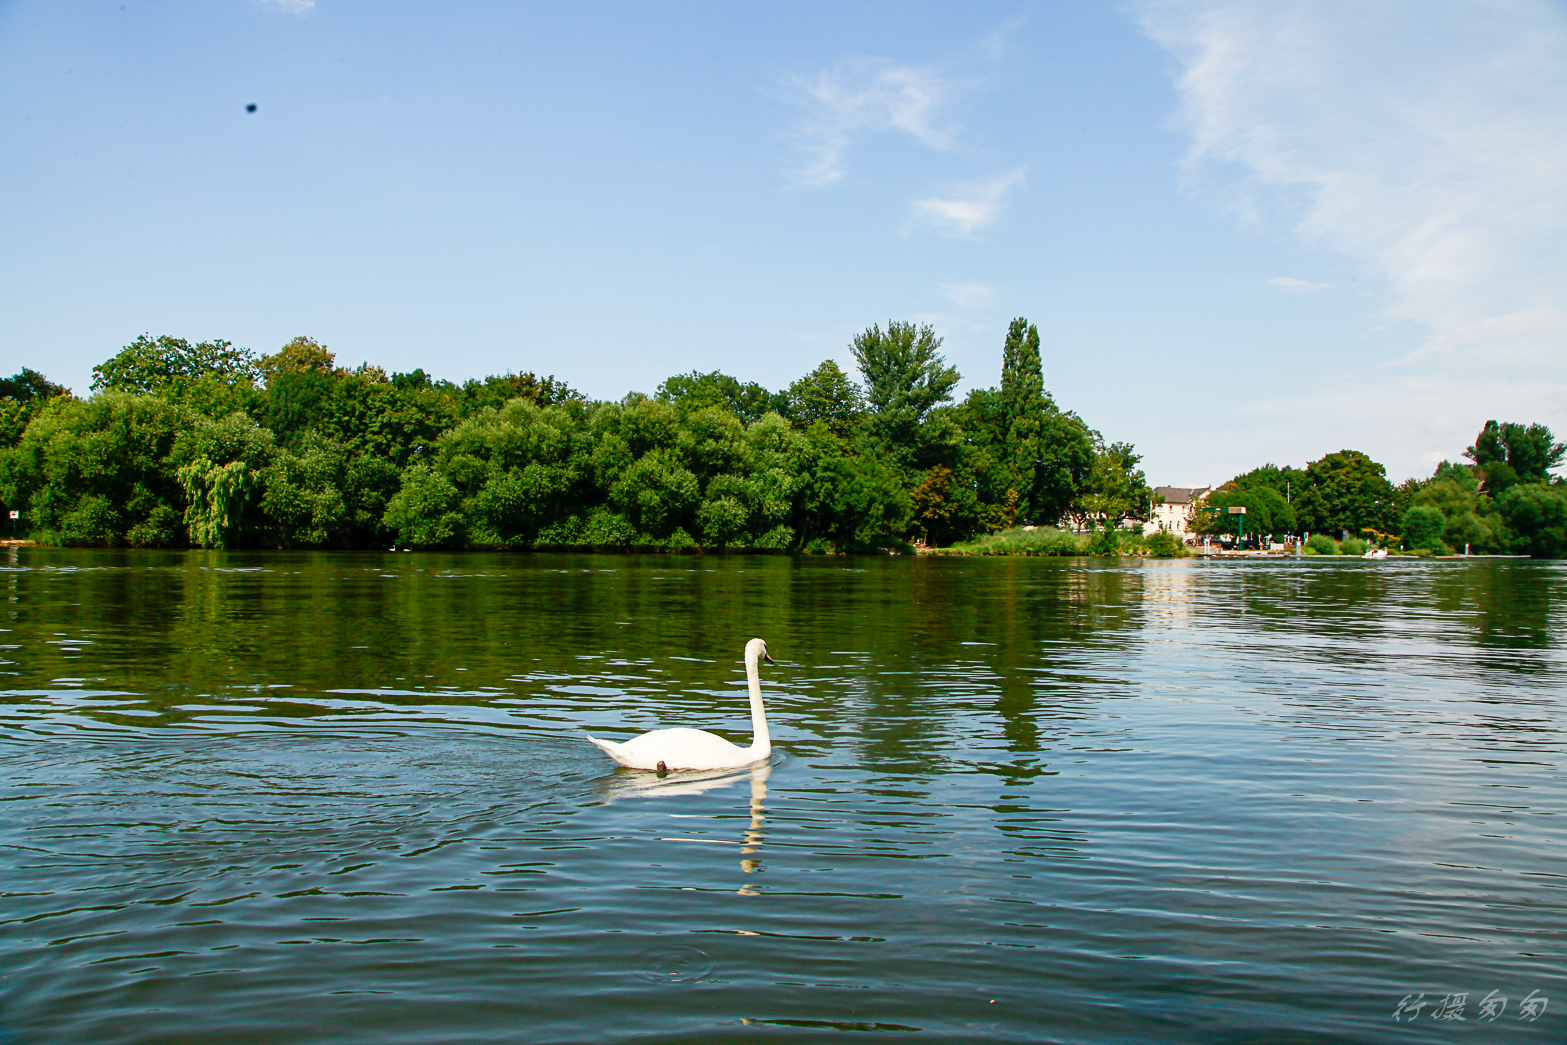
[667, 750]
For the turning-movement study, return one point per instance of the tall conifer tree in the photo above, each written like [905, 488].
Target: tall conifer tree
[1023, 406]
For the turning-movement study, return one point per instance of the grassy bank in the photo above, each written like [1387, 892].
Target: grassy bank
[1048, 540]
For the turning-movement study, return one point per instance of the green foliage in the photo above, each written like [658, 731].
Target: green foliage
[1512, 453]
[1344, 491]
[1045, 456]
[29, 386]
[827, 395]
[696, 391]
[1422, 527]
[306, 493]
[216, 495]
[300, 356]
[1537, 515]
[101, 471]
[853, 503]
[423, 512]
[1045, 540]
[1266, 511]
[22, 397]
[1322, 544]
[905, 379]
[1286, 481]
[498, 390]
[1471, 531]
[1353, 546]
[172, 364]
[1165, 545]
[206, 445]
[1114, 490]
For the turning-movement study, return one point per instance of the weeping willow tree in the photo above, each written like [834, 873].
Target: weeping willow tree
[216, 496]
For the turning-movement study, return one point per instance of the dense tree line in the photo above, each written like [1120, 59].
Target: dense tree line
[1503, 500]
[210, 445]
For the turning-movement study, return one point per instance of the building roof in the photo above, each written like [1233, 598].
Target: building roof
[1182, 494]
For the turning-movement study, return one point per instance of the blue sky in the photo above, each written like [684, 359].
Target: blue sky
[1247, 231]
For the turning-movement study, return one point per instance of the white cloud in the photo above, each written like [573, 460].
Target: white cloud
[974, 206]
[870, 95]
[968, 294]
[1427, 140]
[293, 7]
[1300, 285]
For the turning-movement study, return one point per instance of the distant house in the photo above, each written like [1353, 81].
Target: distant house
[1175, 514]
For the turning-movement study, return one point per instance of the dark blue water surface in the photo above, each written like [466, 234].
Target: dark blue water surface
[345, 798]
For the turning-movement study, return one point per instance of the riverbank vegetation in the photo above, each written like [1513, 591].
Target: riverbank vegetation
[1050, 540]
[1502, 499]
[210, 445]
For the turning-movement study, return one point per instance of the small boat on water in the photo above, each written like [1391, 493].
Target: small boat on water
[1375, 553]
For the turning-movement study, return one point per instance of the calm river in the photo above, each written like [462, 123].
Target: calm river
[345, 798]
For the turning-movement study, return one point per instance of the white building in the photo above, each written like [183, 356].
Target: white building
[1175, 514]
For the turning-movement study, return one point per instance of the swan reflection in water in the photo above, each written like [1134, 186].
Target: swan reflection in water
[633, 784]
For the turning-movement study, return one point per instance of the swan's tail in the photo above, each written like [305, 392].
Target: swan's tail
[612, 749]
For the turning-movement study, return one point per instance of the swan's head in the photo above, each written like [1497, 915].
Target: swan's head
[756, 651]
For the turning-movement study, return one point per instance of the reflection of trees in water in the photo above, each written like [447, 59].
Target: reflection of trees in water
[1514, 604]
[1353, 615]
[566, 635]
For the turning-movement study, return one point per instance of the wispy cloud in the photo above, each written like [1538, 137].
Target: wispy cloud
[293, 7]
[996, 43]
[974, 206]
[968, 294]
[1429, 142]
[1299, 285]
[870, 95]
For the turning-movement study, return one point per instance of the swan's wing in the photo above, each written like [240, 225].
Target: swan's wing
[682, 749]
[677, 749]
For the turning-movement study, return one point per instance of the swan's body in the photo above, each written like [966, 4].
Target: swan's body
[677, 749]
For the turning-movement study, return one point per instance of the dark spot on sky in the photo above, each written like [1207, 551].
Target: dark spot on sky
[251, 107]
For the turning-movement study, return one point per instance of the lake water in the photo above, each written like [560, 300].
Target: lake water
[344, 798]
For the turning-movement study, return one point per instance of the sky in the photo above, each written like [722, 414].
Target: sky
[1249, 232]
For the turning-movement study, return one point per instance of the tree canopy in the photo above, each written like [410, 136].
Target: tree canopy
[1513, 453]
[1345, 492]
[208, 444]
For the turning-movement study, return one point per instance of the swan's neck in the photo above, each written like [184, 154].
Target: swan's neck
[761, 742]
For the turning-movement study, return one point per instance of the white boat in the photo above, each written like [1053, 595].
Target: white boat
[1375, 553]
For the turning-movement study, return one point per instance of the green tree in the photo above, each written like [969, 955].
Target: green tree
[695, 391]
[219, 465]
[423, 513]
[905, 379]
[29, 386]
[848, 502]
[216, 495]
[1423, 526]
[1115, 489]
[22, 396]
[827, 395]
[300, 356]
[1023, 404]
[299, 401]
[100, 471]
[1344, 491]
[1267, 512]
[498, 390]
[1537, 515]
[1511, 453]
[305, 498]
[171, 365]
[1287, 481]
